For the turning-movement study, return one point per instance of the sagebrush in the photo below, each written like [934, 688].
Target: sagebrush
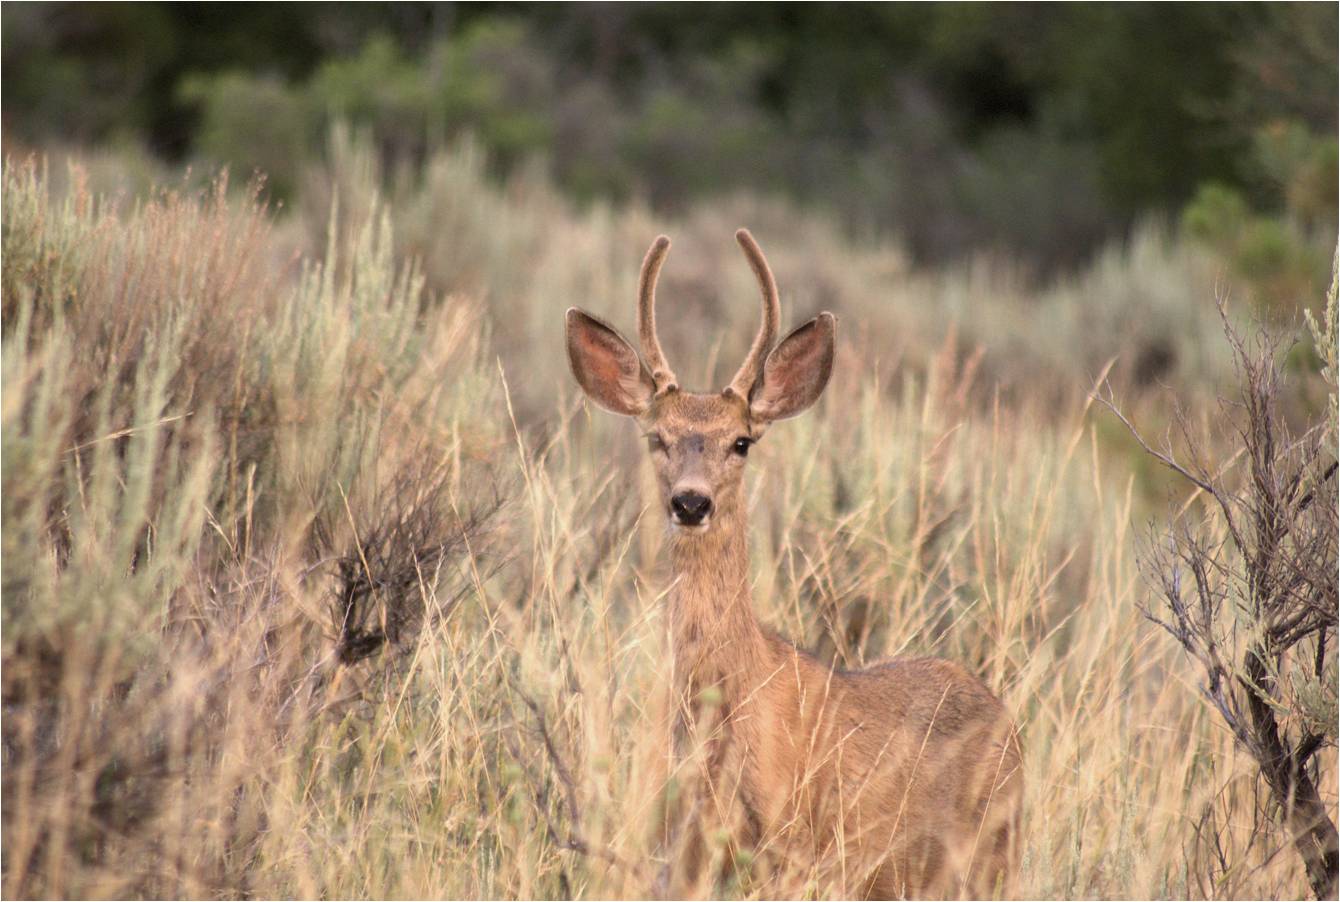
[320, 580]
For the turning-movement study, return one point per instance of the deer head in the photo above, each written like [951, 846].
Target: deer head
[699, 441]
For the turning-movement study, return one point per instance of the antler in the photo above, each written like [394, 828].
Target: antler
[661, 373]
[749, 371]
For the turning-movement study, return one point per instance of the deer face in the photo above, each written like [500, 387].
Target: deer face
[698, 446]
[699, 442]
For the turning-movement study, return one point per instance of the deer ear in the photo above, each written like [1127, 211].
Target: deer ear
[606, 366]
[795, 373]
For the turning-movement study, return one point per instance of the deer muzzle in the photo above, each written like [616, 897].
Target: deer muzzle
[690, 509]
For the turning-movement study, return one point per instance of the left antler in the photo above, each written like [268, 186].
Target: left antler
[661, 374]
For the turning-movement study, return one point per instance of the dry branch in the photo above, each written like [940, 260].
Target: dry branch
[1249, 591]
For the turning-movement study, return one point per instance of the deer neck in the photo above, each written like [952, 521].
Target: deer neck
[716, 638]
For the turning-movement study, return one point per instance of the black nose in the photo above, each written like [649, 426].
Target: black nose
[690, 508]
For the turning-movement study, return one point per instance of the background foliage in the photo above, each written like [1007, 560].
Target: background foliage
[1041, 131]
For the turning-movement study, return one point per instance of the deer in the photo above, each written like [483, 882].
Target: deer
[901, 780]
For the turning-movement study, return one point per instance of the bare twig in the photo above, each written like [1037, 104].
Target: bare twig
[1278, 568]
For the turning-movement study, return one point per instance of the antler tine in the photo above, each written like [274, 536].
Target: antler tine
[749, 371]
[661, 373]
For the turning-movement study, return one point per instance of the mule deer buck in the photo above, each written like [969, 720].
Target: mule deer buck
[900, 780]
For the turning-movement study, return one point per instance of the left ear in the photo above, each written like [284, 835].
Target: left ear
[795, 373]
[606, 366]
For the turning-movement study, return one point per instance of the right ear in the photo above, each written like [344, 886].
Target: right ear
[606, 366]
[795, 373]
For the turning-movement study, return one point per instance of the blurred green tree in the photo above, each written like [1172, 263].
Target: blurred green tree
[1036, 130]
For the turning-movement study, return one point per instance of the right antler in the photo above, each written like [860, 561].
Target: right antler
[661, 373]
[752, 367]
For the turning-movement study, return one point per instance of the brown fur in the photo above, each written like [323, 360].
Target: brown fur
[901, 780]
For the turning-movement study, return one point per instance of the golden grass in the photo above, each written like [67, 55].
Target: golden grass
[214, 419]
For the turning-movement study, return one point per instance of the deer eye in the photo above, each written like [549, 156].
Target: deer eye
[741, 446]
[655, 442]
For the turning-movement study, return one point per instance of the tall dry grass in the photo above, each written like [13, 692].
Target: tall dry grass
[320, 579]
